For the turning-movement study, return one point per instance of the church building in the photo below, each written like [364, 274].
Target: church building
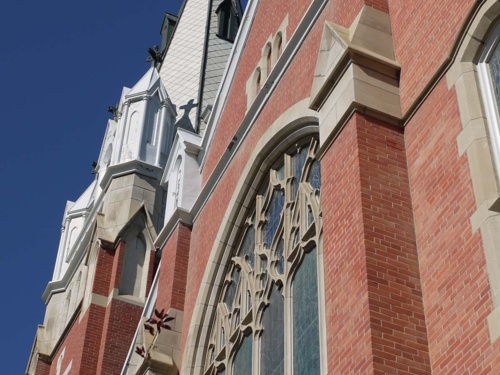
[300, 187]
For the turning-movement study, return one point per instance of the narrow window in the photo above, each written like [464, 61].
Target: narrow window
[133, 268]
[228, 21]
[489, 68]
[273, 341]
[305, 318]
[268, 59]
[258, 78]
[278, 45]
[243, 361]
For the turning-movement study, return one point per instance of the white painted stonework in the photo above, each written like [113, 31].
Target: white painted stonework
[145, 120]
[182, 177]
[73, 221]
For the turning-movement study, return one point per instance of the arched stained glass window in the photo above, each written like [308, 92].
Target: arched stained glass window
[270, 292]
[489, 69]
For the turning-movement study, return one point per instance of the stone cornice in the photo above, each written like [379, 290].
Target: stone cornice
[356, 72]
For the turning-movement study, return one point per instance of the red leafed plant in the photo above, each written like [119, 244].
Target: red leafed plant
[160, 323]
[141, 351]
[154, 326]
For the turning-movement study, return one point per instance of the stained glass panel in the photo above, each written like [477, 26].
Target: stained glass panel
[494, 65]
[248, 246]
[263, 270]
[231, 289]
[315, 175]
[249, 301]
[273, 217]
[236, 318]
[222, 338]
[296, 237]
[280, 257]
[272, 341]
[310, 216]
[305, 317]
[281, 172]
[243, 362]
[298, 161]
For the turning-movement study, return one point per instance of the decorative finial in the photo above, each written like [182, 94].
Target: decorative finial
[114, 111]
[94, 166]
[155, 56]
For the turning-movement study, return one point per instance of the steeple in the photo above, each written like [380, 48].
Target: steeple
[196, 59]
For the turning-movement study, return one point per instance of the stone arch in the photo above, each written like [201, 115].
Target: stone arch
[257, 80]
[174, 187]
[133, 127]
[134, 269]
[268, 59]
[290, 127]
[475, 140]
[277, 46]
[107, 155]
[73, 234]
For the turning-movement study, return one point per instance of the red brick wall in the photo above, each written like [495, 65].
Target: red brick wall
[378, 4]
[120, 322]
[455, 284]
[105, 277]
[92, 334]
[347, 309]
[120, 318]
[173, 270]
[399, 336]
[99, 341]
[424, 32]
[375, 317]
[42, 368]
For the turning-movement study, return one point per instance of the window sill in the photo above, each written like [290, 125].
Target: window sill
[224, 38]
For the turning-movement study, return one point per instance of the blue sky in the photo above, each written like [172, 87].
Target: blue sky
[62, 63]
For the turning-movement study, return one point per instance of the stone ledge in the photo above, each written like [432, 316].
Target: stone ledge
[356, 71]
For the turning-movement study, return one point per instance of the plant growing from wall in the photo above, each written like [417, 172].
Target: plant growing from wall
[154, 326]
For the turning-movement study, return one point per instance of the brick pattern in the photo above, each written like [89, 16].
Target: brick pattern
[120, 322]
[374, 308]
[42, 367]
[98, 342]
[455, 284]
[151, 271]
[382, 5]
[424, 32]
[72, 345]
[173, 272]
[92, 335]
[399, 335]
[105, 273]
[347, 307]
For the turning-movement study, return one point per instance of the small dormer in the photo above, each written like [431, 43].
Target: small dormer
[167, 30]
[228, 18]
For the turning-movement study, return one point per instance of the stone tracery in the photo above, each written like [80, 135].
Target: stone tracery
[256, 312]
